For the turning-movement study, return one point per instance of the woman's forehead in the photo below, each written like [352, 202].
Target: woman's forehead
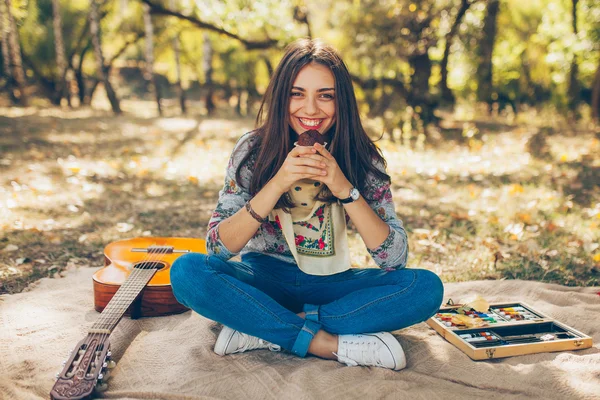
[314, 76]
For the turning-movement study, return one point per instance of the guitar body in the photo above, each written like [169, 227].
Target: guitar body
[156, 299]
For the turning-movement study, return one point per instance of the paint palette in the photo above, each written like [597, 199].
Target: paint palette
[505, 330]
[452, 317]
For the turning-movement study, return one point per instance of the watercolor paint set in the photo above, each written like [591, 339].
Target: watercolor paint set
[505, 330]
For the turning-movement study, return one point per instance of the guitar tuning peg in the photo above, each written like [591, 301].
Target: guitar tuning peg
[101, 386]
[57, 376]
[108, 353]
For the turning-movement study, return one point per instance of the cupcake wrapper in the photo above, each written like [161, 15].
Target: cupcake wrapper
[296, 144]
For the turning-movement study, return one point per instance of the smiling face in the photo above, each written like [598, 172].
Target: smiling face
[312, 99]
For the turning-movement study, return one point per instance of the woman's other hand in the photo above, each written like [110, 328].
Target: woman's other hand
[301, 163]
[335, 179]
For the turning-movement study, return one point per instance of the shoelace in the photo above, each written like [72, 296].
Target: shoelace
[252, 342]
[363, 353]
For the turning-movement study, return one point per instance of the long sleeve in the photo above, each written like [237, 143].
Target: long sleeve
[393, 252]
[232, 198]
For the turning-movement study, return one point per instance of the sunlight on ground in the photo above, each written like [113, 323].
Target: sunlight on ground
[477, 206]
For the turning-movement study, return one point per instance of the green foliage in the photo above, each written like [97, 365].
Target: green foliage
[532, 58]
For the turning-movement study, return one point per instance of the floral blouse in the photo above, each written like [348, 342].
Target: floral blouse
[269, 238]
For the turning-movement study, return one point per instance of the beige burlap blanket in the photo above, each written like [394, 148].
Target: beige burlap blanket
[172, 357]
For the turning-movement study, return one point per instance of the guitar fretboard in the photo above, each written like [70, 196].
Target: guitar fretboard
[127, 293]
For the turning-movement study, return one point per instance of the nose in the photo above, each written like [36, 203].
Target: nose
[310, 107]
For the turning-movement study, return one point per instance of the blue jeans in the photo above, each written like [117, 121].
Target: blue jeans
[261, 296]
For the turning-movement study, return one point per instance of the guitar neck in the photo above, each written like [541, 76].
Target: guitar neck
[123, 298]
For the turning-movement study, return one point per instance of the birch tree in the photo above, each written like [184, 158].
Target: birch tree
[95, 32]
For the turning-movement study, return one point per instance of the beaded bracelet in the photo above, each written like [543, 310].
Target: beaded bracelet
[254, 214]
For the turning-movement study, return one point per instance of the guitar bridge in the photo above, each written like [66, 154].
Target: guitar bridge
[158, 250]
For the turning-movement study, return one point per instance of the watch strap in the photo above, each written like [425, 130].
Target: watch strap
[348, 199]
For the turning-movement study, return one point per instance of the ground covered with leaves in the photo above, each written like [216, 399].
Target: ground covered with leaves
[481, 198]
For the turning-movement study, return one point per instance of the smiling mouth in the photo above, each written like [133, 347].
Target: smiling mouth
[310, 123]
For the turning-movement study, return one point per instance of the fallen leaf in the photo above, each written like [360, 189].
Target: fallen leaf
[516, 188]
[124, 227]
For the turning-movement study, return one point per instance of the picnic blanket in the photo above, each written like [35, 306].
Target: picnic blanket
[172, 358]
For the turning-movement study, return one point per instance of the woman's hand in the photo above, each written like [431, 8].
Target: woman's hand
[301, 163]
[335, 179]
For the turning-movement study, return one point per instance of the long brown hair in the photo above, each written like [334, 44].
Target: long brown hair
[350, 145]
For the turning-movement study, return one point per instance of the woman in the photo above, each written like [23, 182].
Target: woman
[284, 208]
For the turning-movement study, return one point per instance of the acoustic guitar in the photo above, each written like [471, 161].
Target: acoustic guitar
[135, 281]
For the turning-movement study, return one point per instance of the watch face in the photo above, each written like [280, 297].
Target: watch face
[354, 194]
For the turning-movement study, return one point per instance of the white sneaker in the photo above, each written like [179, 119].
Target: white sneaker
[371, 349]
[232, 341]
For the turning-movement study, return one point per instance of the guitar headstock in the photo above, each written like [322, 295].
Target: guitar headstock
[86, 369]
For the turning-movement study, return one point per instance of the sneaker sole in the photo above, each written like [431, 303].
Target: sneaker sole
[223, 341]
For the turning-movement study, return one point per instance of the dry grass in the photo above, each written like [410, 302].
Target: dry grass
[482, 200]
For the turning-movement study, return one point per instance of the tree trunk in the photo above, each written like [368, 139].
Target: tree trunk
[208, 70]
[177, 51]
[80, 78]
[596, 95]
[573, 91]
[445, 91]
[59, 46]
[15, 56]
[419, 97]
[301, 15]
[486, 48]
[95, 32]
[6, 70]
[268, 65]
[149, 73]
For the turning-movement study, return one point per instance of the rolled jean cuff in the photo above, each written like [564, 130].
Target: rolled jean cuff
[306, 335]
[311, 312]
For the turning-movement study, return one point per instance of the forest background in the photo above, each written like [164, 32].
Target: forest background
[117, 119]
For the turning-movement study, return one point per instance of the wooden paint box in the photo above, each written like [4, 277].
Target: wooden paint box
[511, 329]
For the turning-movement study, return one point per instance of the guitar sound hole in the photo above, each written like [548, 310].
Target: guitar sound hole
[157, 265]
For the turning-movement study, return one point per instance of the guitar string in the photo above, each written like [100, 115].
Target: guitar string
[132, 276]
[128, 289]
[131, 287]
[152, 257]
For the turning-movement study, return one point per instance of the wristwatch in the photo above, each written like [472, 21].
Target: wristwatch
[354, 195]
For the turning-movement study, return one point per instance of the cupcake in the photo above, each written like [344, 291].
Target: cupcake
[310, 137]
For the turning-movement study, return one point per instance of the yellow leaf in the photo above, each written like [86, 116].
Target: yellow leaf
[193, 179]
[523, 217]
[564, 158]
[479, 303]
[516, 188]
[493, 219]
